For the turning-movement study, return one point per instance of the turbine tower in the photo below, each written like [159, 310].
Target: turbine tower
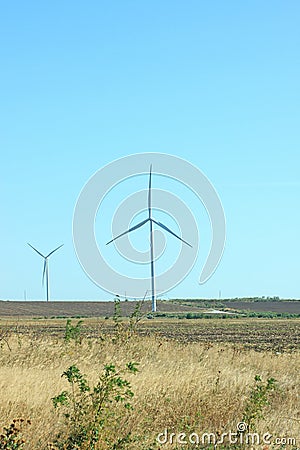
[46, 268]
[151, 222]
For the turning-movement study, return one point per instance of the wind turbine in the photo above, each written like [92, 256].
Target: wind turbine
[46, 268]
[151, 222]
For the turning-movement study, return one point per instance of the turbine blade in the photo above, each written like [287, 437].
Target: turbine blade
[43, 256]
[54, 251]
[130, 229]
[170, 231]
[149, 191]
[44, 271]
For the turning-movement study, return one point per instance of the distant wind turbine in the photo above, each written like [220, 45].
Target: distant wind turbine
[161, 225]
[46, 268]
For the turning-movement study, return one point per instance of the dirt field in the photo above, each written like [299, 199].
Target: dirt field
[278, 335]
[84, 309]
[106, 309]
[292, 307]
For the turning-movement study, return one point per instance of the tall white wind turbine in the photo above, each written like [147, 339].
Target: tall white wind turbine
[46, 268]
[151, 222]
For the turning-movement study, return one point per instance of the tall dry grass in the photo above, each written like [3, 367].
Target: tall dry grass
[180, 387]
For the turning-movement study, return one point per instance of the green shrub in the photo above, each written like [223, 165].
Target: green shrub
[257, 401]
[73, 332]
[90, 411]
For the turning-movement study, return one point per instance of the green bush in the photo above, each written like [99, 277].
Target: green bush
[73, 332]
[257, 401]
[89, 411]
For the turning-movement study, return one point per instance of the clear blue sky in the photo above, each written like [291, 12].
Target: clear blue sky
[216, 83]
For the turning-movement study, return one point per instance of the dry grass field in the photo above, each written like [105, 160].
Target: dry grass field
[187, 381]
